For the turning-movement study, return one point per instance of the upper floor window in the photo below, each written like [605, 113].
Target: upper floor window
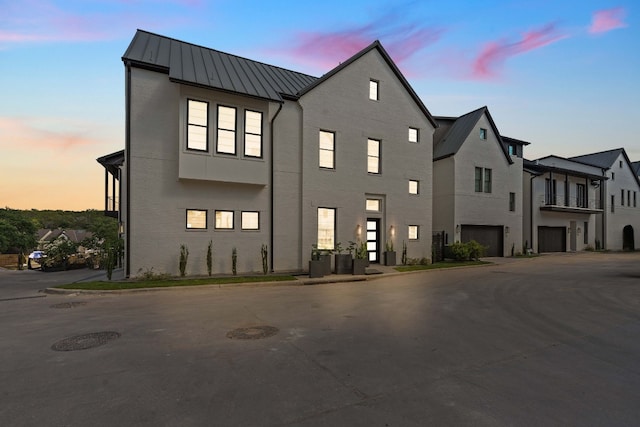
[619, 163]
[327, 150]
[197, 125]
[374, 90]
[634, 199]
[414, 186]
[413, 135]
[613, 203]
[373, 156]
[196, 219]
[483, 133]
[512, 202]
[226, 140]
[613, 176]
[581, 191]
[252, 133]
[483, 180]
[224, 220]
[513, 151]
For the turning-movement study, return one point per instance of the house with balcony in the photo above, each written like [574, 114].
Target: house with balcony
[620, 222]
[232, 151]
[477, 183]
[562, 205]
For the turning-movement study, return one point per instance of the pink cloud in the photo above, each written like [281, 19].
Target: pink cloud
[495, 53]
[607, 20]
[31, 134]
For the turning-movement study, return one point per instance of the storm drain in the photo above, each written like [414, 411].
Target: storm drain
[252, 332]
[86, 341]
[72, 304]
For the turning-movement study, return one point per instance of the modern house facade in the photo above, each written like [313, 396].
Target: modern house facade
[477, 183]
[242, 154]
[562, 205]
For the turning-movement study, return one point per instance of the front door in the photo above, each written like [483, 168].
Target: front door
[574, 238]
[373, 239]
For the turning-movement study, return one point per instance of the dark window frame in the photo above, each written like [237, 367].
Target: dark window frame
[206, 127]
[233, 220]
[417, 232]
[261, 134]
[483, 134]
[335, 226]
[206, 219]
[235, 130]
[242, 227]
[333, 149]
[379, 157]
[512, 202]
[417, 141]
[377, 83]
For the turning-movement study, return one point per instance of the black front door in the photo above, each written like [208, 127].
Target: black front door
[373, 239]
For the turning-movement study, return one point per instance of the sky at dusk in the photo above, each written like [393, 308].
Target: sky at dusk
[563, 75]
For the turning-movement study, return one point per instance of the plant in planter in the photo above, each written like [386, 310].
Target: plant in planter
[361, 262]
[343, 262]
[316, 265]
[389, 253]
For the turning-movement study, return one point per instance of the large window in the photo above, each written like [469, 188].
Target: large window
[414, 186]
[196, 219]
[327, 149]
[252, 133]
[197, 125]
[226, 140]
[374, 90]
[414, 135]
[250, 221]
[224, 220]
[413, 232]
[483, 180]
[326, 228]
[550, 191]
[373, 156]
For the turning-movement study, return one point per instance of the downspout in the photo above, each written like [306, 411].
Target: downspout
[127, 160]
[531, 209]
[271, 192]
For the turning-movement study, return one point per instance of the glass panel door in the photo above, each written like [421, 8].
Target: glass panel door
[373, 239]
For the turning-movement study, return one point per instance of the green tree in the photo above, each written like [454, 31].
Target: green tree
[17, 231]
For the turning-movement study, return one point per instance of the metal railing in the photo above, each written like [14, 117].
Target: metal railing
[571, 202]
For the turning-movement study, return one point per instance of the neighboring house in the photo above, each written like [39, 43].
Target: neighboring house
[225, 149]
[477, 183]
[636, 168]
[112, 164]
[46, 236]
[620, 222]
[562, 205]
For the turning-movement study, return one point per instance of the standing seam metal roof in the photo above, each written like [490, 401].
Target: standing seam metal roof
[197, 65]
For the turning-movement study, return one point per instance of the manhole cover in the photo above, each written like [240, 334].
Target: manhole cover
[72, 304]
[83, 342]
[252, 333]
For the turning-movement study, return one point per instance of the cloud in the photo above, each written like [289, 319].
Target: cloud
[493, 55]
[606, 20]
[41, 134]
[326, 49]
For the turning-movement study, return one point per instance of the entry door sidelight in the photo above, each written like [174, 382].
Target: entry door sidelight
[373, 239]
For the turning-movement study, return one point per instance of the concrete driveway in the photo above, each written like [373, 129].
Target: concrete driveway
[545, 341]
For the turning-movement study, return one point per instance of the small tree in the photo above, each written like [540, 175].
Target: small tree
[209, 257]
[264, 251]
[58, 252]
[110, 260]
[404, 253]
[184, 256]
[234, 261]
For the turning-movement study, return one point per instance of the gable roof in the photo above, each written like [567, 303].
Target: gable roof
[450, 142]
[636, 167]
[376, 45]
[603, 159]
[536, 167]
[200, 66]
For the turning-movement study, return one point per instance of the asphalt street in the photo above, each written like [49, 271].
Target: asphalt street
[546, 341]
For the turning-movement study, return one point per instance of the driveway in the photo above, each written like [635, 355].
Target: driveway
[544, 341]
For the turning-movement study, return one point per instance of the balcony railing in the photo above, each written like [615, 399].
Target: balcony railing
[573, 203]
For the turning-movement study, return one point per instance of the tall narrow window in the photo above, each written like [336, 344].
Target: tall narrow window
[512, 202]
[226, 142]
[224, 220]
[487, 180]
[413, 232]
[326, 228]
[613, 203]
[327, 150]
[373, 156]
[478, 180]
[414, 135]
[483, 133]
[197, 125]
[250, 221]
[621, 197]
[628, 197]
[550, 191]
[414, 186]
[252, 133]
[634, 200]
[586, 233]
[581, 191]
[373, 90]
[196, 219]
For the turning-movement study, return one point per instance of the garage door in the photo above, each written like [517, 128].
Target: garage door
[489, 236]
[552, 239]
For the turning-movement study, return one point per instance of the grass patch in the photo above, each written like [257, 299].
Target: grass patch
[167, 283]
[443, 264]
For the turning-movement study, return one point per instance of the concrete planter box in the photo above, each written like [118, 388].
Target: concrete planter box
[344, 264]
[326, 262]
[359, 266]
[390, 258]
[316, 268]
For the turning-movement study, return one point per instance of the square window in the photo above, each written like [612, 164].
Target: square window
[226, 142]
[413, 231]
[224, 220]
[483, 133]
[196, 219]
[373, 90]
[413, 135]
[326, 228]
[327, 149]
[373, 205]
[197, 125]
[373, 156]
[250, 220]
[414, 186]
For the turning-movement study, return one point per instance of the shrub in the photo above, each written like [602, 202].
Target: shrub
[234, 261]
[459, 251]
[209, 257]
[184, 256]
[264, 251]
[476, 250]
[404, 253]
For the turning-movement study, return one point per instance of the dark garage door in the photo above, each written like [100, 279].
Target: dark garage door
[486, 235]
[552, 239]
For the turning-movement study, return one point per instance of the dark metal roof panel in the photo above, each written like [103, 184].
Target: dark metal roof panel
[192, 64]
[458, 133]
[604, 159]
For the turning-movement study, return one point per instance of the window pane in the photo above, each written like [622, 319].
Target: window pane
[413, 135]
[372, 165]
[253, 145]
[196, 219]
[372, 235]
[197, 137]
[226, 118]
[224, 219]
[373, 205]
[373, 90]
[372, 246]
[487, 180]
[250, 221]
[326, 159]
[483, 133]
[478, 180]
[253, 122]
[198, 112]
[413, 232]
[326, 228]
[226, 142]
[373, 147]
[413, 187]
[326, 144]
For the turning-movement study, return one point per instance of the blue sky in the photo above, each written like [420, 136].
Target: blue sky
[564, 76]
